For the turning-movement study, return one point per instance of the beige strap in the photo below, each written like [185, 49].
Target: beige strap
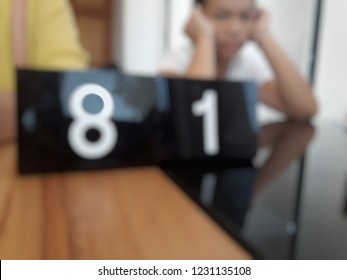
[19, 35]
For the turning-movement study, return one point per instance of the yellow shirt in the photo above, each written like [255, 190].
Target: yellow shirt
[52, 39]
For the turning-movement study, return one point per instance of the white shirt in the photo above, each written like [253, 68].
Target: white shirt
[249, 64]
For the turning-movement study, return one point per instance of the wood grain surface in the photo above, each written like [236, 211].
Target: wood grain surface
[116, 214]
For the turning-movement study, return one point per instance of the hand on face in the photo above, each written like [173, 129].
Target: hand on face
[260, 26]
[198, 25]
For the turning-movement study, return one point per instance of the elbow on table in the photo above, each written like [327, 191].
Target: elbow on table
[306, 113]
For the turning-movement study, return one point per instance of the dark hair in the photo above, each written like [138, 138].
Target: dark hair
[202, 2]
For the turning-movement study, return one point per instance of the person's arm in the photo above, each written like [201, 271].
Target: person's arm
[55, 43]
[200, 30]
[289, 92]
[203, 64]
[7, 118]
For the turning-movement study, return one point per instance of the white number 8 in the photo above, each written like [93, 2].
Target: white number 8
[84, 121]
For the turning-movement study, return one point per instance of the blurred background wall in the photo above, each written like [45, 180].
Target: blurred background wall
[331, 76]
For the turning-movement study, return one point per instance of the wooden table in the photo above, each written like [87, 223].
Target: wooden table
[116, 214]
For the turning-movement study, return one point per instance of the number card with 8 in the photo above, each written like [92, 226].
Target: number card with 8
[104, 119]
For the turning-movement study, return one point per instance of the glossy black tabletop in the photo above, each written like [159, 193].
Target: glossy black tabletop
[289, 202]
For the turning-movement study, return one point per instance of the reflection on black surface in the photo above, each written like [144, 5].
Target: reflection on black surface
[227, 191]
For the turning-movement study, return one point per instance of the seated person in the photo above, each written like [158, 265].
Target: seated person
[228, 37]
[42, 35]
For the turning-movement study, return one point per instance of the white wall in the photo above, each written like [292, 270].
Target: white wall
[141, 35]
[180, 11]
[332, 65]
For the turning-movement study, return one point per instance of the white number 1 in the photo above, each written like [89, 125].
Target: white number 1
[207, 108]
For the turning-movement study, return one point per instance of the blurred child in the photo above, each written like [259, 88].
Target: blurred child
[230, 38]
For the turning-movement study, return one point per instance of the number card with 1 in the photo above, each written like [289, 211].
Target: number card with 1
[103, 119]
